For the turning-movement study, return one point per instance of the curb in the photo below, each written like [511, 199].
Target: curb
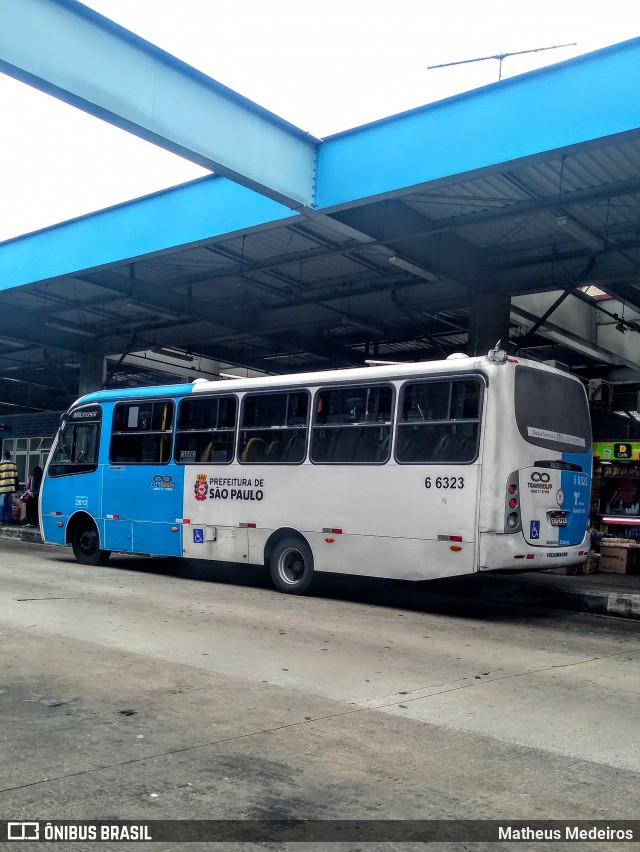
[593, 601]
[18, 533]
[623, 606]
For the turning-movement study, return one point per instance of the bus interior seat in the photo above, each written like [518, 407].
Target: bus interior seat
[366, 448]
[345, 448]
[382, 449]
[254, 451]
[448, 449]
[322, 445]
[467, 448]
[418, 445]
[407, 445]
[294, 450]
[275, 451]
[206, 453]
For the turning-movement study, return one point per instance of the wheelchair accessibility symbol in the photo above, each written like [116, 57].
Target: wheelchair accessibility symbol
[198, 536]
[534, 530]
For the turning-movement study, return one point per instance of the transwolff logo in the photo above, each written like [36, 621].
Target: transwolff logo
[200, 487]
[540, 482]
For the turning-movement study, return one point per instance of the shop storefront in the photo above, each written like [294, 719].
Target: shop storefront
[615, 498]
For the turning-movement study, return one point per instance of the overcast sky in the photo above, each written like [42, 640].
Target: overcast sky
[324, 66]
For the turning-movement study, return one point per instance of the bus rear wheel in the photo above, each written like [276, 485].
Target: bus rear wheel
[291, 566]
[85, 543]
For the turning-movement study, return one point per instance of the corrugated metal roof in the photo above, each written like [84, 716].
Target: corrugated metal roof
[306, 294]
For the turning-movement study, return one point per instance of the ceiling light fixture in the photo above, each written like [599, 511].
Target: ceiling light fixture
[580, 233]
[173, 353]
[412, 268]
[68, 328]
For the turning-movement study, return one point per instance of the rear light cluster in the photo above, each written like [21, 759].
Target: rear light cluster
[512, 522]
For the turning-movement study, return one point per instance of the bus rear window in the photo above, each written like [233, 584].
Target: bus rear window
[552, 411]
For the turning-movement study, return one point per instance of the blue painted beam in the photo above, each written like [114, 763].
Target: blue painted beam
[573, 102]
[70, 51]
[178, 217]
[577, 101]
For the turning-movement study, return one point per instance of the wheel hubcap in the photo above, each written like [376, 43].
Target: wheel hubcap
[291, 566]
[88, 542]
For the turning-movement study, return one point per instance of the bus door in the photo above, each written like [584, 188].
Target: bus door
[554, 502]
[142, 489]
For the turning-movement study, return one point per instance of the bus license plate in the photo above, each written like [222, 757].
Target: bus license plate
[557, 519]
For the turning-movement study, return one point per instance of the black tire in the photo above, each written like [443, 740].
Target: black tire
[85, 543]
[291, 566]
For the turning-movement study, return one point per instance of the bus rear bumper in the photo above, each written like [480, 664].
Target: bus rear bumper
[500, 551]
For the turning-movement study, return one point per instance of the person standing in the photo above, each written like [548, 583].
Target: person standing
[33, 485]
[8, 484]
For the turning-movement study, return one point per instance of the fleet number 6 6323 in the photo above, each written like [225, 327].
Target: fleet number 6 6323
[444, 482]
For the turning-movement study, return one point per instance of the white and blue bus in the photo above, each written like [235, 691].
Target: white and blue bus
[408, 471]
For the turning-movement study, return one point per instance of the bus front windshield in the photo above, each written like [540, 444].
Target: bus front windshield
[76, 448]
[552, 411]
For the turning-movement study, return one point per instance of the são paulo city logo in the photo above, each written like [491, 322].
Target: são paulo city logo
[228, 488]
[200, 487]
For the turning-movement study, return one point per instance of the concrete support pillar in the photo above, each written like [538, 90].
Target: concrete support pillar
[93, 372]
[488, 323]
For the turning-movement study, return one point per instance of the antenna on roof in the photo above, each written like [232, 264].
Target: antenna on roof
[501, 56]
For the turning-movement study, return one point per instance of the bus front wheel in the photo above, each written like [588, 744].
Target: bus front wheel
[85, 543]
[291, 566]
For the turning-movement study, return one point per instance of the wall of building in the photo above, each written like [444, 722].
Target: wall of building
[28, 437]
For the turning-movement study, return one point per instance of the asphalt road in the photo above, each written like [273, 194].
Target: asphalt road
[145, 690]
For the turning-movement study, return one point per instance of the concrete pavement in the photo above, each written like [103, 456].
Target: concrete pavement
[148, 689]
[616, 595]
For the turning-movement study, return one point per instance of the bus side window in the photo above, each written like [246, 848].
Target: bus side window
[274, 428]
[142, 432]
[206, 430]
[439, 421]
[352, 425]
